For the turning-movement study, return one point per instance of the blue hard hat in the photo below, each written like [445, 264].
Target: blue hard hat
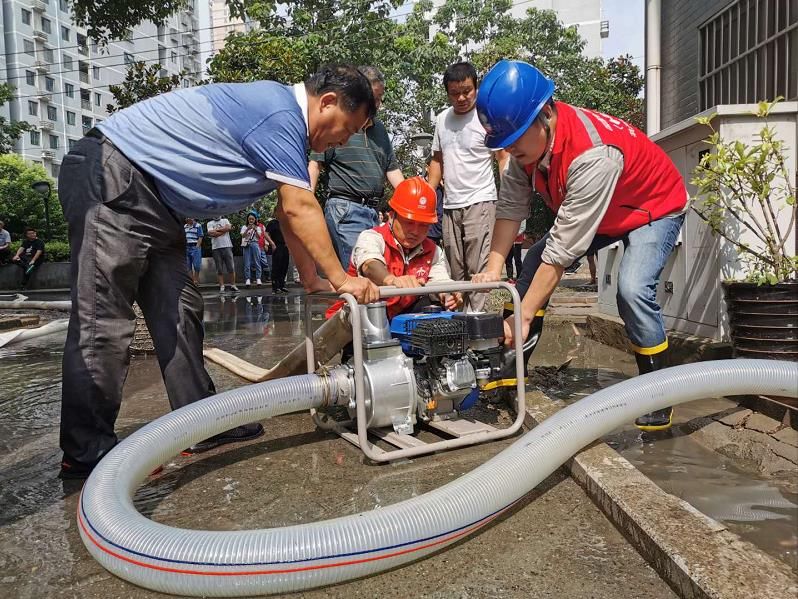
[509, 100]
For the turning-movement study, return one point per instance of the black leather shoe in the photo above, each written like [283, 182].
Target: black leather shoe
[234, 435]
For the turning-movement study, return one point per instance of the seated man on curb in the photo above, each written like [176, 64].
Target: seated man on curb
[399, 254]
[30, 255]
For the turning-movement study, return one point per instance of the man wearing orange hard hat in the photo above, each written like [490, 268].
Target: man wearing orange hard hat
[399, 254]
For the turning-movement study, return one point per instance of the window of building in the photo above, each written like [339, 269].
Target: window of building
[96, 73]
[35, 138]
[70, 116]
[55, 169]
[52, 113]
[33, 108]
[129, 58]
[65, 33]
[173, 57]
[67, 62]
[27, 16]
[53, 142]
[71, 143]
[69, 90]
[747, 54]
[48, 55]
[46, 26]
[28, 47]
[83, 44]
[30, 77]
[49, 84]
[63, 5]
[98, 99]
[86, 122]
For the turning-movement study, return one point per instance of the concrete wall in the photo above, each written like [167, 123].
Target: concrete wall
[689, 290]
[55, 275]
[680, 46]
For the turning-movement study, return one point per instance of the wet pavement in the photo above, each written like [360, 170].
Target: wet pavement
[555, 544]
[759, 508]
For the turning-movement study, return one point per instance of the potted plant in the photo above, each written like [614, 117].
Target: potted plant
[746, 196]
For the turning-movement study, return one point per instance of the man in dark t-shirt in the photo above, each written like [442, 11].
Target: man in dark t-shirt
[30, 255]
[355, 175]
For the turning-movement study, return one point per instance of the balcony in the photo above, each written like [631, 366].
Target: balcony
[41, 66]
[85, 105]
[84, 77]
[38, 6]
[46, 125]
[40, 35]
[45, 96]
[48, 154]
[83, 50]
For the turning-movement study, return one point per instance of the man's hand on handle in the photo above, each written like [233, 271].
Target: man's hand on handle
[364, 291]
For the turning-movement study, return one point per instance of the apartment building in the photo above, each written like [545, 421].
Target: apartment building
[223, 24]
[62, 76]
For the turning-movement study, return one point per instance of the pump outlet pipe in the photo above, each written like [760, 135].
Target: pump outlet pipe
[279, 560]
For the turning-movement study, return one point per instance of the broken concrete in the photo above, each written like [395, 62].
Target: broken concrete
[695, 554]
[684, 349]
[765, 444]
[17, 322]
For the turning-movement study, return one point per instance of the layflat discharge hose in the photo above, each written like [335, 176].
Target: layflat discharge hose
[241, 563]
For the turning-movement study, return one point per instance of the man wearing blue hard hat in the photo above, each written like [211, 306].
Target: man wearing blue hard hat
[605, 181]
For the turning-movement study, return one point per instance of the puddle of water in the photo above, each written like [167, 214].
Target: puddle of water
[262, 328]
[756, 507]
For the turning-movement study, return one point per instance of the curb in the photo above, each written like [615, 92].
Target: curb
[696, 555]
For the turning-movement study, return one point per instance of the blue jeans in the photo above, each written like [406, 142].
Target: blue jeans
[646, 251]
[345, 221]
[194, 259]
[251, 260]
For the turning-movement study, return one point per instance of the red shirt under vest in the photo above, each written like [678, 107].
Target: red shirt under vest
[649, 187]
[418, 266]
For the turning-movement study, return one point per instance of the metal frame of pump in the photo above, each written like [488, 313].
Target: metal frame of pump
[410, 446]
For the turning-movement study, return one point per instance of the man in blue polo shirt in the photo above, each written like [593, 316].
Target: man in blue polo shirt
[125, 188]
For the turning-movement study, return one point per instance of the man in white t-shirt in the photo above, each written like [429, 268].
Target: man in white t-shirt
[222, 250]
[459, 155]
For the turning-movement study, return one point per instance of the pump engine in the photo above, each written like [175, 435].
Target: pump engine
[427, 366]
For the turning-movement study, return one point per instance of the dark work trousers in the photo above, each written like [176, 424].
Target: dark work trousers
[279, 266]
[514, 256]
[126, 245]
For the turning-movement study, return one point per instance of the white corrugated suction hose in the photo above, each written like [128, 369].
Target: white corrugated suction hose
[254, 562]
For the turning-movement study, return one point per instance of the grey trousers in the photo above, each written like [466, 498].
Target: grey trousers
[466, 240]
[126, 245]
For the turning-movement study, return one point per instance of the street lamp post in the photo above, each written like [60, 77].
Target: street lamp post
[423, 143]
[43, 188]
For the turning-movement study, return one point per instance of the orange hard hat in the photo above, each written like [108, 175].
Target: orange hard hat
[414, 199]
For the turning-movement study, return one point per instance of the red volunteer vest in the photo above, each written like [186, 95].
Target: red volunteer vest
[418, 266]
[649, 187]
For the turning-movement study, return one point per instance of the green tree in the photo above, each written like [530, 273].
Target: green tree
[106, 20]
[9, 131]
[612, 86]
[20, 205]
[141, 82]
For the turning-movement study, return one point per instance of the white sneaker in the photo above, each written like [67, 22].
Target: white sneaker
[258, 282]
[247, 283]
[221, 289]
